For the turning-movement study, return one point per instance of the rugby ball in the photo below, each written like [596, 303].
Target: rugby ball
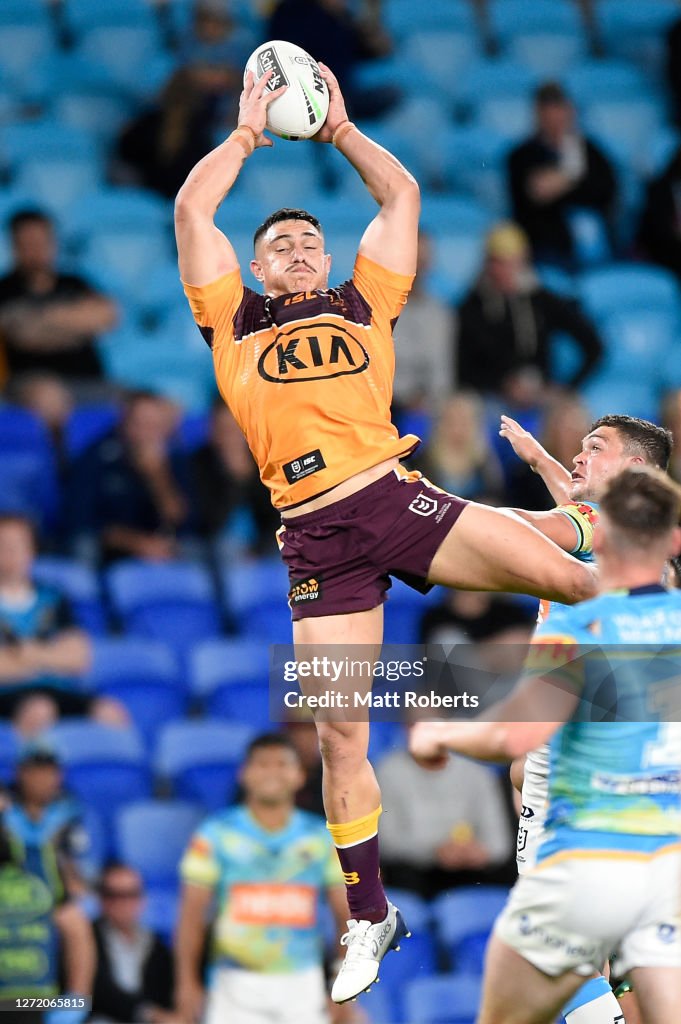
[301, 111]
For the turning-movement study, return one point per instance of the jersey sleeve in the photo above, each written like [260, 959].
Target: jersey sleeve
[556, 654]
[584, 518]
[385, 291]
[214, 305]
[200, 864]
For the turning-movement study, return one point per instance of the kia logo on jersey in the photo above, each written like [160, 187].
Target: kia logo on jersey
[325, 351]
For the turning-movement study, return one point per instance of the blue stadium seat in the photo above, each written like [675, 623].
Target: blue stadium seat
[600, 80]
[627, 286]
[118, 209]
[292, 185]
[464, 919]
[231, 677]
[447, 999]
[193, 431]
[22, 47]
[125, 254]
[145, 676]
[548, 53]
[26, 140]
[173, 602]
[124, 50]
[624, 124]
[22, 12]
[28, 486]
[496, 79]
[55, 183]
[202, 759]
[385, 736]
[634, 397]
[9, 746]
[457, 261]
[161, 906]
[83, 14]
[152, 835]
[88, 424]
[639, 343]
[512, 16]
[472, 159]
[80, 585]
[163, 292]
[251, 588]
[437, 48]
[636, 31]
[399, 16]
[105, 767]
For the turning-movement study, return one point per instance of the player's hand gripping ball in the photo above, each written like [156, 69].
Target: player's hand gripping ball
[301, 111]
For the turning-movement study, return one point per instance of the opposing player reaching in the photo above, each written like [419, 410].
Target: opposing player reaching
[307, 372]
[607, 878]
[613, 443]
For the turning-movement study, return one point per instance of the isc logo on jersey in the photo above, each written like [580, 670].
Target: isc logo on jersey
[325, 351]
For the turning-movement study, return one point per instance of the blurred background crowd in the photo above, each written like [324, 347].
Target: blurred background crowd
[139, 581]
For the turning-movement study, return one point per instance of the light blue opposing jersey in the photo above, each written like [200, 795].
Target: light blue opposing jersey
[615, 767]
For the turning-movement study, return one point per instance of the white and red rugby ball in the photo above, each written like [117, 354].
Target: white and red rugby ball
[301, 111]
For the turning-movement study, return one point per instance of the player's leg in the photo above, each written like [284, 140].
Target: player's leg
[491, 549]
[629, 1008]
[352, 798]
[658, 991]
[515, 992]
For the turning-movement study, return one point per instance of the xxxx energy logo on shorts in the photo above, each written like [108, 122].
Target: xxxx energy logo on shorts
[305, 590]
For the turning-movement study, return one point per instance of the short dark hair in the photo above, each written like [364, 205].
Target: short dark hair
[28, 215]
[267, 741]
[640, 437]
[550, 93]
[284, 214]
[643, 505]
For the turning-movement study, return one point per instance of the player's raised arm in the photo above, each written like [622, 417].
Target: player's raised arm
[556, 477]
[205, 253]
[391, 237]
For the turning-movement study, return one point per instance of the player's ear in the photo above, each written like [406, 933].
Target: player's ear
[257, 271]
[675, 547]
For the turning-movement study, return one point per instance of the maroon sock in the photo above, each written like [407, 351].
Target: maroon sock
[366, 895]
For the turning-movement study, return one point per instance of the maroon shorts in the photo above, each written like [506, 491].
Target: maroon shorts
[341, 557]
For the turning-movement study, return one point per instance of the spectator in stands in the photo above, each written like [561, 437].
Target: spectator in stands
[128, 492]
[266, 937]
[233, 509]
[507, 319]
[671, 418]
[330, 31]
[554, 172]
[212, 45]
[476, 617]
[49, 321]
[458, 454]
[134, 978]
[423, 342]
[42, 941]
[674, 68]
[160, 146]
[46, 823]
[439, 832]
[659, 230]
[566, 422]
[41, 650]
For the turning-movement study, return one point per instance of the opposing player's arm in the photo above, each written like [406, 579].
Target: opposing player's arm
[555, 525]
[391, 237]
[205, 253]
[556, 477]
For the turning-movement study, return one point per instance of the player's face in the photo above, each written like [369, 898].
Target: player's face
[290, 258]
[272, 775]
[16, 552]
[601, 458]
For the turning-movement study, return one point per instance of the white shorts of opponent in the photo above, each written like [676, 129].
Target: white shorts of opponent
[252, 997]
[579, 907]
[533, 814]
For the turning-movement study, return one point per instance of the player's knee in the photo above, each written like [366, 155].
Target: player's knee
[342, 744]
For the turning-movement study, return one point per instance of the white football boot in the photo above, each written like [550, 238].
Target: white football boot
[367, 944]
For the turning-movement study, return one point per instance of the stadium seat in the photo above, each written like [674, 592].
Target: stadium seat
[173, 602]
[438, 48]
[385, 736]
[292, 185]
[495, 79]
[22, 12]
[55, 183]
[252, 589]
[106, 767]
[124, 50]
[547, 53]
[624, 124]
[202, 759]
[399, 16]
[636, 31]
[471, 159]
[635, 398]
[119, 209]
[161, 906]
[25, 140]
[463, 920]
[152, 835]
[626, 286]
[79, 584]
[22, 47]
[458, 257]
[601, 80]
[640, 343]
[448, 999]
[99, 108]
[83, 14]
[28, 486]
[144, 675]
[231, 677]
[9, 746]
[512, 16]
[88, 424]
